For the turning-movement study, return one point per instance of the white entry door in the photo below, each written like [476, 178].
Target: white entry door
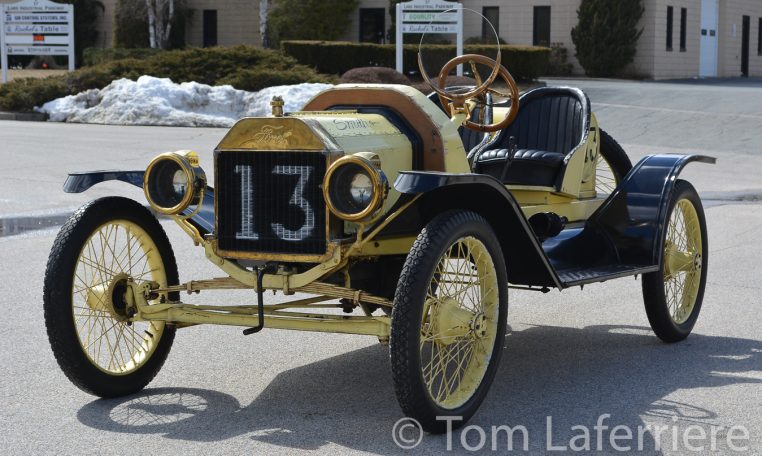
[709, 38]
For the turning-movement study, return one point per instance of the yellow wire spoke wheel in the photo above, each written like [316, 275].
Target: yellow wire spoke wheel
[449, 319]
[90, 322]
[115, 251]
[611, 165]
[674, 294]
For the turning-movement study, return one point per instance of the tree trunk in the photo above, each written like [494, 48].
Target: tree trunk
[150, 9]
[264, 6]
[167, 23]
[160, 16]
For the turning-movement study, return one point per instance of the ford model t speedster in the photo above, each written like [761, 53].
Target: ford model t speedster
[409, 216]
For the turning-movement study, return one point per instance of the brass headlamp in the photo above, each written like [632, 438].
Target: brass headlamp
[354, 187]
[173, 181]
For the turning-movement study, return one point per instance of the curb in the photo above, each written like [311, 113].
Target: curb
[25, 116]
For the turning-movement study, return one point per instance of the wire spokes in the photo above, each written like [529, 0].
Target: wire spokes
[459, 322]
[115, 345]
[683, 236]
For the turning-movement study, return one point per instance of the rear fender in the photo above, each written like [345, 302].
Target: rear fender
[635, 215]
[440, 192]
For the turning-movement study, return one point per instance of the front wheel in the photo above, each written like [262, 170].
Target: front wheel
[673, 295]
[449, 320]
[90, 326]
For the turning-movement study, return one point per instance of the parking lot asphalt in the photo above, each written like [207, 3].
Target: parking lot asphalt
[570, 357]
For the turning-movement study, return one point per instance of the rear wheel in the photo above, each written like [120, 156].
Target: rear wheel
[611, 166]
[673, 295]
[449, 320]
[89, 323]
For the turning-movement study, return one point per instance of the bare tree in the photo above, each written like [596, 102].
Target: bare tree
[160, 16]
[264, 6]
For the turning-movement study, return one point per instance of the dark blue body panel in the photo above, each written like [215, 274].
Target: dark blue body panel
[79, 182]
[623, 237]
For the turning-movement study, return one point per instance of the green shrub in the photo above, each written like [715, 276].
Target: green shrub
[607, 34]
[524, 62]
[96, 56]
[374, 75]
[481, 40]
[259, 78]
[559, 65]
[309, 19]
[245, 67]
[24, 94]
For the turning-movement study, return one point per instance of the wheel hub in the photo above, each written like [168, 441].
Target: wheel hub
[451, 321]
[118, 298]
[676, 260]
[479, 325]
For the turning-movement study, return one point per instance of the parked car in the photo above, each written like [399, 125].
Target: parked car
[378, 210]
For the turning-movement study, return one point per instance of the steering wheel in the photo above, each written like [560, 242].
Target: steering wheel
[457, 101]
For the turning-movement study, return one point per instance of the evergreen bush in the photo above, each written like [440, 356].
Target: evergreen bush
[606, 35]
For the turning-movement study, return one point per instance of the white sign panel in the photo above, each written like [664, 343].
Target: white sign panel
[429, 28]
[37, 50]
[429, 16]
[36, 40]
[36, 27]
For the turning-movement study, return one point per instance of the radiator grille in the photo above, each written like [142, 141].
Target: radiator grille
[270, 202]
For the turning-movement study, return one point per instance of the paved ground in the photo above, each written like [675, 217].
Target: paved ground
[571, 356]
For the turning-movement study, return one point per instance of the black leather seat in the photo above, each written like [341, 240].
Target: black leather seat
[471, 139]
[551, 123]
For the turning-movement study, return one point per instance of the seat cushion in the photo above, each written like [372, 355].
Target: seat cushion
[529, 166]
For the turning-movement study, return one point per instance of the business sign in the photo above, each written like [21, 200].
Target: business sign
[36, 27]
[429, 16]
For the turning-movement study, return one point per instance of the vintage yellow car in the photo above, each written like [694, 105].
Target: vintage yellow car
[383, 212]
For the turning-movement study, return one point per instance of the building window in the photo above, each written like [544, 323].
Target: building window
[492, 14]
[683, 28]
[759, 37]
[541, 32]
[210, 28]
[372, 27]
[670, 14]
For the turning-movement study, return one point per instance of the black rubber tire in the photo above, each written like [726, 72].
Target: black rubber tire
[57, 297]
[414, 282]
[615, 156]
[653, 283]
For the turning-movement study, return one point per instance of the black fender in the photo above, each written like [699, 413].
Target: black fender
[525, 259]
[80, 182]
[635, 215]
[625, 235]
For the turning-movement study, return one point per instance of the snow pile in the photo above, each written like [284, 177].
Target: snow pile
[156, 101]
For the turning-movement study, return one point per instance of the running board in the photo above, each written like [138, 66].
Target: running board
[572, 278]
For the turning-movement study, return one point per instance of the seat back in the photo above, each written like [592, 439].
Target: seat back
[553, 119]
[471, 139]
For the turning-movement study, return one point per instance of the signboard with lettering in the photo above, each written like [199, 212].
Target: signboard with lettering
[36, 27]
[429, 16]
